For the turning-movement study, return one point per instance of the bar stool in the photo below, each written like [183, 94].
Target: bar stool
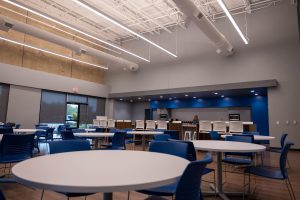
[187, 135]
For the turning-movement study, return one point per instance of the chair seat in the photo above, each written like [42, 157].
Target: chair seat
[207, 171]
[265, 172]
[166, 190]
[237, 161]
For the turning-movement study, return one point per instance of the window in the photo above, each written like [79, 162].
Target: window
[53, 107]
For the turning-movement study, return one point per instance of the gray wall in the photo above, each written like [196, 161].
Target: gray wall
[273, 53]
[24, 106]
[138, 110]
[122, 110]
[42, 80]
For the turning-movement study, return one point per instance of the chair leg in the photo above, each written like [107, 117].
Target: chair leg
[85, 197]
[291, 188]
[42, 194]
[128, 195]
[288, 163]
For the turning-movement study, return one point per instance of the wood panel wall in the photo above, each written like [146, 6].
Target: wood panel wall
[33, 59]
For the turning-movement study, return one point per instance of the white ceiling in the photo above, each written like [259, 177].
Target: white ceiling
[142, 16]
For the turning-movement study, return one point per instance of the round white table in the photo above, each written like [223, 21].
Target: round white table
[143, 134]
[27, 130]
[225, 146]
[100, 171]
[90, 129]
[256, 137]
[94, 136]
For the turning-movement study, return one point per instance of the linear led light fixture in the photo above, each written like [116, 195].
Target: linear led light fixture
[54, 27]
[74, 29]
[52, 53]
[232, 20]
[122, 26]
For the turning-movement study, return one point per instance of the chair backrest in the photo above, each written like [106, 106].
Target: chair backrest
[103, 123]
[161, 137]
[169, 147]
[2, 197]
[219, 126]
[6, 130]
[173, 134]
[191, 154]
[162, 125]
[236, 127]
[67, 135]
[100, 130]
[283, 139]
[240, 138]
[150, 124]
[111, 123]
[139, 124]
[205, 126]
[95, 122]
[68, 146]
[78, 130]
[16, 147]
[214, 135]
[118, 140]
[189, 185]
[283, 158]
[17, 126]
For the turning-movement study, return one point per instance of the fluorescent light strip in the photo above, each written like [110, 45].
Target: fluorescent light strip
[52, 53]
[74, 29]
[123, 27]
[232, 21]
[45, 24]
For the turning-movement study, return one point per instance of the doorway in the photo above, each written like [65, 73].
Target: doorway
[76, 115]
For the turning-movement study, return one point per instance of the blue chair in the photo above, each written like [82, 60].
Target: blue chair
[100, 130]
[69, 146]
[118, 141]
[214, 135]
[173, 134]
[280, 173]
[282, 143]
[161, 137]
[67, 135]
[17, 126]
[169, 147]
[2, 197]
[237, 158]
[6, 130]
[78, 130]
[15, 148]
[188, 186]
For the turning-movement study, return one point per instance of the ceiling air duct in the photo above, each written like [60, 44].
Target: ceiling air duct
[112, 61]
[206, 26]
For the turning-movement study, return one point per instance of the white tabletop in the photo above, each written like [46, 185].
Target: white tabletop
[145, 132]
[94, 135]
[99, 171]
[227, 146]
[27, 130]
[256, 137]
[89, 129]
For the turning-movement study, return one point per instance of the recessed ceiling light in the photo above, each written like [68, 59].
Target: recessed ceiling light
[170, 98]
[256, 94]
[73, 28]
[121, 99]
[139, 98]
[131, 100]
[186, 95]
[161, 97]
[222, 96]
[52, 53]
[149, 99]
[216, 93]
[252, 91]
[194, 97]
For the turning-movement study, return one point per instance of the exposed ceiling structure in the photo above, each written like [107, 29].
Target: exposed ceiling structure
[143, 16]
[140, 16]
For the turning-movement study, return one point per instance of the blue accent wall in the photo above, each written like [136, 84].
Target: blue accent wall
[258, 105]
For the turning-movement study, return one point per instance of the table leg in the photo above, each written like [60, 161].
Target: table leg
[107, 196]
[219, 186]
[143, 142]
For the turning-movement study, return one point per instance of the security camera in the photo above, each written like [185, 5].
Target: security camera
[133, 68]
[5, 26]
